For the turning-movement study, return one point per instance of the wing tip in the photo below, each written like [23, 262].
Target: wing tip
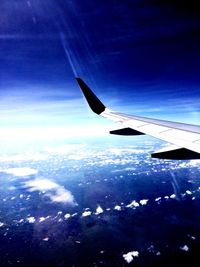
[180, 153]
[95, 104]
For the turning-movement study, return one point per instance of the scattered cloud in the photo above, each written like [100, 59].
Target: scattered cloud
[31, 219]
[67, 216]
[184, 248]
[158, 199]
[99, 210]
[130, 255]
[40, 185]
[54, 191]
[117, 207]
[143, 201]
[23, 157]
[24, 171]
[86, 213]
[46, 239]
[122, 151]
[42, 219]
[133, 204]
[66, 149]
[62, 195]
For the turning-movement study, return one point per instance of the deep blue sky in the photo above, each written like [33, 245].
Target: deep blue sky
[140, 56]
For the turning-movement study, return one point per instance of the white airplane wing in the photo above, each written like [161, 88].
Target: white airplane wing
[185, 138]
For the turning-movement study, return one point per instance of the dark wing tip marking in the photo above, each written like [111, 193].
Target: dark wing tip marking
[177, 154]
[95, 104]
[126, 131]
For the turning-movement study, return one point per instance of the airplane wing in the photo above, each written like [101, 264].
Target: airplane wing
[185, 138]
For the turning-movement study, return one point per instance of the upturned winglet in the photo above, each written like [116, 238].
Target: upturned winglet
[95, 104]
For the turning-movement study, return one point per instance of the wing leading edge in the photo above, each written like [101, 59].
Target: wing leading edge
[185, 137]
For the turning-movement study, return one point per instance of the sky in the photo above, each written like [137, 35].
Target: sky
[140, 57]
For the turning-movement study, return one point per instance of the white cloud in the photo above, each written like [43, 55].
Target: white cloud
[54, 191]
[62, 195]
[117, 207]
[143, 201]
[86, 213]
[12, 188]
[158, 199]
[115, 161]
[130, 255]
[192, 237]
[185, 248]
[31, 219]
[67, 216]
[24, 157]
[24, 171]
[193, 163]
[46, 239]
[122, 151]
[41, 219]
[66, 149]
[99, 210]
[40, 185]
[133, 204]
